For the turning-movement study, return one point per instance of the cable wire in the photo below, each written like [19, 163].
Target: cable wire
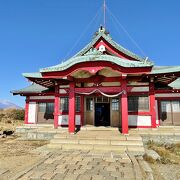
[82, 34]
[126, 32]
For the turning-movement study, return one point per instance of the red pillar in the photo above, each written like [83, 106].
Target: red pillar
[82, 110]
[152, 104]
[26, 110]
[71, 108]
[56, 107]
[124, 106]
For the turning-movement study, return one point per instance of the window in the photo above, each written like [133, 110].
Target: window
[138, 103]
[47, 108]
[78, 104]
[89, 104]
[101, 99]
[115, 104]
[64, 106]
[42, 107]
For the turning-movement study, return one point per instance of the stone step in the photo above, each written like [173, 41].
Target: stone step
[101, 128]
[99, 137]
[105, 148]
[97, 142]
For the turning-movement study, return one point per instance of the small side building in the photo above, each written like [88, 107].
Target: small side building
[103, 85]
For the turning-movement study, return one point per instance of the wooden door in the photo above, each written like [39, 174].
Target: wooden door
[166, 113]
[170, 113]
[176, 112]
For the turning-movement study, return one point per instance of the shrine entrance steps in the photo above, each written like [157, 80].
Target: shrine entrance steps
[98, 139]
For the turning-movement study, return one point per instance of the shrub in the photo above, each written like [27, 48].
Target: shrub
[15, 114]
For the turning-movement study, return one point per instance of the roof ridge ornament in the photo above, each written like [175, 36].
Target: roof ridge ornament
[93, 51]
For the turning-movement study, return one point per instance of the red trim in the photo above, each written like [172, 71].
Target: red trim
[82, 110]
[92, 70]
[97, 78]
[56, 106]
[152, 105]
[72, 108]
[140, 126]
[112, 49]
[26, 110]
[167, 91]
[103, 89]
[67, 113]
[168, 98]
[124, 108]
[140, 113]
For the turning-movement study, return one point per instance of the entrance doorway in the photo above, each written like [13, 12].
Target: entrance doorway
[102, 114]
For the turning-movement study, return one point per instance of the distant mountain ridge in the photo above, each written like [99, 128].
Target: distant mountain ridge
[5, 104]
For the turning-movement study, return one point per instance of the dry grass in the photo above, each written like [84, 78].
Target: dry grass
[170, 153]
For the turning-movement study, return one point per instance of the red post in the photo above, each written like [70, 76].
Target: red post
[56, 107]
[82, 110]
[152, 104]
[71, 108]
[26, 110]
[124, 106]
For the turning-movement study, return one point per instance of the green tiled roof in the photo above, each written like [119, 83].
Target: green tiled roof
[90, 57]
[32, 75]
[33, 88]
[175, 84]
[165, 69]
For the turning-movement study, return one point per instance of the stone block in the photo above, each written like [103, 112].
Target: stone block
[88, 141]
[134, 138]
[127, 143]
[31, 135]
[77, 146]
[64, 141]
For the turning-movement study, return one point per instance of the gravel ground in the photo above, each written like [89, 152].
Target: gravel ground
[16, 156]
[166, 171]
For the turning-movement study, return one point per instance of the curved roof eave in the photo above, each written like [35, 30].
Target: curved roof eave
[79, 59]
[165, 69]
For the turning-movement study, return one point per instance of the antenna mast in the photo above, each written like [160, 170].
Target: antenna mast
[104, 9]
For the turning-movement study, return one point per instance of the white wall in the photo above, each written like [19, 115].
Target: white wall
[32, 113]
[63, 120]
[135, 120]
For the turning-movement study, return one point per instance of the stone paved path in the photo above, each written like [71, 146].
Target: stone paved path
[83, 165]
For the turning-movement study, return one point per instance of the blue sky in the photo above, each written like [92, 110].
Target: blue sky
[41, 33]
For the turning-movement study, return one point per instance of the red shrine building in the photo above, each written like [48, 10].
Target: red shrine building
[104, 84]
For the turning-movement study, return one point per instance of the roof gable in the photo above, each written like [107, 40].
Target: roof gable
[103, 37]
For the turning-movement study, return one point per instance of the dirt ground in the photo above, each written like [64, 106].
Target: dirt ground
[15, 155]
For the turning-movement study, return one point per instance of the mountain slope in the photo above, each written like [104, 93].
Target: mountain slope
[5, 104]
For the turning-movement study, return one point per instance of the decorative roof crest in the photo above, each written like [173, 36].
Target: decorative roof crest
[93, 51]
